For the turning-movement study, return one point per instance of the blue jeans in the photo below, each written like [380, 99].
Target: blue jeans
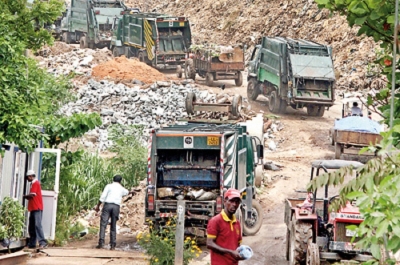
[35, 229]
[110, 211]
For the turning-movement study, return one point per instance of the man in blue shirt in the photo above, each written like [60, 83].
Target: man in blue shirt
[111, 197]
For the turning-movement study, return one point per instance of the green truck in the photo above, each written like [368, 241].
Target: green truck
[157, 39]
[91, 22]
[197, 162]
[296, 73]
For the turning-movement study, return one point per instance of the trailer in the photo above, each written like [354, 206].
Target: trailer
[160, 40]
[226, 65]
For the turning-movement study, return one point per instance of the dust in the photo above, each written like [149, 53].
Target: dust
[127, 69]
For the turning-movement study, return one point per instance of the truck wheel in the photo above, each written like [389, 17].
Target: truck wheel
[258, 174]
[236, 105]
[190, 98]
[115, 51]
[338, 150]
[274, 104]
[252, 89]
[313, 254]
[179, 71]
[190, 71]
[300, 237]
[239, 80]
[282, 108]
[320, 111]
[312, 110]
[83, 42]
[253, 224]
[209, 79]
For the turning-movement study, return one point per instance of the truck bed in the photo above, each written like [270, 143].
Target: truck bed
[356, 138]
[208, 66]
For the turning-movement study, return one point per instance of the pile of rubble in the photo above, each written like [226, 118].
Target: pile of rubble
[229, 22]
[271, 127]
[161, 104]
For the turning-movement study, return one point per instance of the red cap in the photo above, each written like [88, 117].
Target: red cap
[232, 193]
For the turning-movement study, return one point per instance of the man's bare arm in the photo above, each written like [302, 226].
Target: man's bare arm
[213, 246]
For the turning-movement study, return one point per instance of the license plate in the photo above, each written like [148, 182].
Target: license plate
[212, 140]
[350, 233]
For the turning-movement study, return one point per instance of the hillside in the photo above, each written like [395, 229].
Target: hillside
[229, 22]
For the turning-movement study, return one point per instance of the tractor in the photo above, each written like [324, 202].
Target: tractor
[316, 236]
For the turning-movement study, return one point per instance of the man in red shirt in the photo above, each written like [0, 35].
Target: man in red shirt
[224, 233]
[35, 207]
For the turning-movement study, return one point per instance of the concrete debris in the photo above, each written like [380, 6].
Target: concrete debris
[271, 166]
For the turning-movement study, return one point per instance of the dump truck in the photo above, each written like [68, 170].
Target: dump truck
[91, 23]
[316, 235]
[197, 162]
[159, 40]
[296, 73]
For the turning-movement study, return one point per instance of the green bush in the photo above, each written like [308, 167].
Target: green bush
[12, 217]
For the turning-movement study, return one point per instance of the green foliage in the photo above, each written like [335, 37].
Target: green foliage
[377, 194]
[159, 245]
[12, 217]
[131, 158]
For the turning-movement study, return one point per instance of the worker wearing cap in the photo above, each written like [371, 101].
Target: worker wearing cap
[35, 207]
[224, 233]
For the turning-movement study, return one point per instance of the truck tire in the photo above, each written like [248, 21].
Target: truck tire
[209, 79]
[190, 98]
[258, 174]
[236, 105]
[338, 150]
[313, 255]
[301, 235]
[115, 51]
[252, 89]
[320, 111]
[253, 224]
[312, 110]
[190, 71]
[179, 71]
[274, 104]
[83, 42]
[239, 80]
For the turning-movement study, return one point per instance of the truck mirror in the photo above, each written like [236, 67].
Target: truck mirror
[260, 151]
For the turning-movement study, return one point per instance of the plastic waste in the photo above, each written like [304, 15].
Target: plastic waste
[245, 251]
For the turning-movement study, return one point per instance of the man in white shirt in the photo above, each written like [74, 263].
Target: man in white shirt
[111, 197]
[355, 110]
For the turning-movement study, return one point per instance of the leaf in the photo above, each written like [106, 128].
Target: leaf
[375, 250]
[382, 228]
[390, 19]
[360, 21]
[354, 195]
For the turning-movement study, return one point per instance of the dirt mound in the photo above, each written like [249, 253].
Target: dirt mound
[57, 49]
[127, 69]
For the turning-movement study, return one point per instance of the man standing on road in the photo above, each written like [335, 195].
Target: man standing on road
[111, 197]
[35, 207]
[224, 233]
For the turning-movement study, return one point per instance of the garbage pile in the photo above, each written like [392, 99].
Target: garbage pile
[230, 22]
[272, 127]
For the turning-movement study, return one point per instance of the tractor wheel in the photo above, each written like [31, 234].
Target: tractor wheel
[190, 71]
[253, 224]
[239, 80]
[209, 79]
[236, 105]
[287, 250]
[258, 174]
[301, 236]
[190, 98]
[274, 104]
[179, 71]
[338, 150]
[312, 110]
[115, 51]
[252, 89]
[313, 255]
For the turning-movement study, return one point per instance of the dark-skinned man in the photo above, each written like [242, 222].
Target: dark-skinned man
[224, 233]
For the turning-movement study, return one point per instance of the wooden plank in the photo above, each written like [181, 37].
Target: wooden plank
[357, 138]
[17, 258]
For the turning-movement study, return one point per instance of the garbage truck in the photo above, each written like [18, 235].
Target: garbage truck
[159, 40]
[91, 22]
[197, 162]
[296, 73]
